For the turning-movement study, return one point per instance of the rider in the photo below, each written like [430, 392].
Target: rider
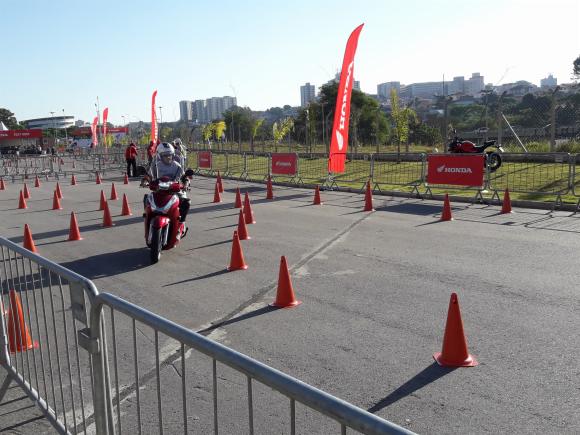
[180, 152]
[166, 166]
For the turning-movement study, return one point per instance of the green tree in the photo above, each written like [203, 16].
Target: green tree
[281, 129]
[220, 127]
[401, 118]
[9, 120]
[576, 68]
[256, 127]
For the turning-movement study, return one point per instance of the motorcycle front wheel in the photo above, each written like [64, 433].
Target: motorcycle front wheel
[493, 161]
[156, 245]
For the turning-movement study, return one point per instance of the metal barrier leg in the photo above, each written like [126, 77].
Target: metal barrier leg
[5, 385]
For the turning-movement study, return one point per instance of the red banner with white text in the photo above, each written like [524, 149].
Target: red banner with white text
[339, 138]
[94, 131]
[457, 170]
[204, 159]
[284, 164]
[153, 119]
[33, 133]
[105, 116]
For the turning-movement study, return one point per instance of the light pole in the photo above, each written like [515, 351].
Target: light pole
[65, 132]
[53, 127]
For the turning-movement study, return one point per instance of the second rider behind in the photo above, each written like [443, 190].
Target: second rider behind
[166, 166]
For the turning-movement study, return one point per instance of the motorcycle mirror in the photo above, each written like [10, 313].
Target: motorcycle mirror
[189, 173]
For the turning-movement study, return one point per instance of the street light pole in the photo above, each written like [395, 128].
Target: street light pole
[65, 132]
[53, 127]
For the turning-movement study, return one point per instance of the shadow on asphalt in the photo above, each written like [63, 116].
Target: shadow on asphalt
[416, 209]
[420, 380]
[198, 278]
[255, 313]
[111, 263]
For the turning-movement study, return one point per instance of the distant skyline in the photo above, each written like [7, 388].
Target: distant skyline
[62, 55]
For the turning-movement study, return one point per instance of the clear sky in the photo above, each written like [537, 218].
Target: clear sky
[62, 54]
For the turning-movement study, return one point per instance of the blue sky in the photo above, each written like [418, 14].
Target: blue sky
[57, 55]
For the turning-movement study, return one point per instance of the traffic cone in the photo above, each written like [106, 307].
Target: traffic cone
[56, 202]
[446, 215]
[28, 242]
[73, 180]
[219, 182]
[36, 182]
[237, 259]
[114, 196]
[26, 192]
[2, 186]
[103, 201]
[238, 203]
[19, 339]
[285, 294]
[369, 198]
[270, 192]
[216, 194]
[22, 201]
[126, 211]
[242, 229]
[248, 214]
[126, 179]
[99, 181]
[506, 206]
[317, 200]
[74, 233]
[107, 220]
[58, 191]
[454, 352]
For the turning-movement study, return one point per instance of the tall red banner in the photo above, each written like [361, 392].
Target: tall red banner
[339, 138]
[105, 116]
[153, 119]
[94, 131]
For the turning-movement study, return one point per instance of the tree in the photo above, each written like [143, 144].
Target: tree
[401, 118]
[281, 129]
[9, 120]
[576, 70]
[220, 127]
[255, 129]
[207, 132]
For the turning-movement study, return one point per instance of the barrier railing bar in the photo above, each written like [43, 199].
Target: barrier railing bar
[136, 375]
[183, 389]
[159, 404]
[114, 334]
[215, 398]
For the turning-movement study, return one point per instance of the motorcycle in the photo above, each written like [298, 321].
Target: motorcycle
[460, 146]
[163, 230]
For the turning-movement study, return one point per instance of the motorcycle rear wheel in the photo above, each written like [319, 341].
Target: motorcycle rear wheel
[156, 245]
[493, 161]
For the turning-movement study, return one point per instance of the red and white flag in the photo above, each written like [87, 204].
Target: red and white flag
[95, 139]
[153, 119]
[105, 116]
[339, 138]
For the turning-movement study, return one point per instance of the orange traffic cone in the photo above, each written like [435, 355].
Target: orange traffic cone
[454, 352]
[242, 229]
[74, 233]
[36, 182]
[19, 339]
[216, 194]
[103, 201]
[446, 215]
[285, 294]
[58, 191]
[126, 211]
[73, 180]
[126, 179]
[237, 259]
[28, 242]
[56, 202]
[99, 181]
[219, 182]
[107, 220]
[2, 186]
[506, 206]
[238, 203]
[26, 192]
[114, 196]
[317, 200]
[22, 201]
[369, 198]
[248, 214]
[269, 192]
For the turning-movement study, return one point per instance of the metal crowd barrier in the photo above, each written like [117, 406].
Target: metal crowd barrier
[54, 303]
[395, 169]
[257, 166]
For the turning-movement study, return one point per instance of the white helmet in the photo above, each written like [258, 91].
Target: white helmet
[165, 152]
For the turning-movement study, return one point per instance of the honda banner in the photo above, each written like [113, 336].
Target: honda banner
[153, 119]
[105, 116]
[94, 131]
[339, 138]
[21, 134]
[204, 159]
[284, 164]
[457, 170]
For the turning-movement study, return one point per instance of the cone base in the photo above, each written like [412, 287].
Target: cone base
[231, 269]
[290, 305]
[74, 240]
[33, 345]
[246, 238]
[446, 219]
[470, 361]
